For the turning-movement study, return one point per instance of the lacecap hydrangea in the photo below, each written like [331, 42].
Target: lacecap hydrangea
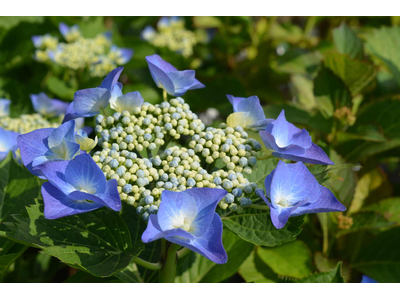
[97, 54]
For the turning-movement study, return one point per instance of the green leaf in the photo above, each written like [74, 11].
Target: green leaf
[206, 22]
[9, 252]
[389, 208]
[291, 259]
[304, 87]
[320, 172]
[299, 61]
[333, 276]
[99, 242]
[347, 42]
[255, 226]
[330, 92]
[9, 22]
[264, 168]
[385, 44]
[59, 88]
[380, 259]
[196, 268]
[17, 188]
[365, 149]
[254, 269]
[356, 74]
[129, 275]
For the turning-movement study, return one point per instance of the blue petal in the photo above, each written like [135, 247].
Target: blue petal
[89, 102]
[182, 81]
[163, 22]
[83, 174]
[54, 172]
[281, 183]
[127, 102]
[148, 33]
[251, 105]
[64, 29]
[126, 55]
[4, 107]
[280, 215]
[210, 244]
[111, 78]
[267, 184]
[207, 200]
[37, 40]
[326, 202]
[269, 142]
[366, 279]
[70, 114]
[158, 68]
[58, 205]
[32, 145]
[313, 155]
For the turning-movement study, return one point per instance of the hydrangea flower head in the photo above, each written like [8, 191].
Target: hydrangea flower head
[77, 186]
[48, 144]
[289, 142]
[189, 219]
[44, 41]
[8, 142]
[4, 107]
[167, 77]
[89, 102]
[294, 191]
[48, 107]
[248, 113]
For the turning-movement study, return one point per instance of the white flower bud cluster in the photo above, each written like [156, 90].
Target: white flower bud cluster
[177, 38]
[127, 138]
[26, 123]
[81, 53]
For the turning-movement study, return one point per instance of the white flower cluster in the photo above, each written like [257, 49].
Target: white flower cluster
[25, 123]
[96, 54]
[176, 37]
[135, 152]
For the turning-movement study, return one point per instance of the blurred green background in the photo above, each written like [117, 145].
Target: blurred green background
[338, 77]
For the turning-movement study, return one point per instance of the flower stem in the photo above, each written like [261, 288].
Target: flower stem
[257, 206]
[146, 264]
[168, 271]
[183, 252]
[165, 95]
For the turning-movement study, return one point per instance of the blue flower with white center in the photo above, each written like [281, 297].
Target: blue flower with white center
[124, 54]
[289, 142]
[89, 102]
[148, 33]
[189, 219]
[77, 186]
[294, 191]
[247, 113]
[86, 143]
[48, 107]
[48, 144]
[120, 102]
[167, 77]
[4, 107]
[8, 142]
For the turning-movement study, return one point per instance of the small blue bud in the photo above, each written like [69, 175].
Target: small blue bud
[252, 161]
[140, 174]
[153, 209]
[129, 138]
[116, 116]
[191, 182]
[141, 182]
[248, 189]
[243, 161]
[168, 185]
[229, 198]
[232, 176]
[256, 145]
[164, 177]
[237, 192]
[114, 163]
[168, 126]
[245, 202]
[227, 185]
[147, 137]
[228, 141]
[145, 216]
[139, 210]
[127, 188]
[149, 199]
[217, 180]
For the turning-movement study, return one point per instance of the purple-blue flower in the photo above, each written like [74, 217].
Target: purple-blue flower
[167, 77]
[294, 191]
[89, 102]
[124, 54]
[4, 107]
[189, 219]
[289, 142]
[77, 186]
[120, 102]
[48, 107]
[8, 142]
[48, 144]
[248, 113]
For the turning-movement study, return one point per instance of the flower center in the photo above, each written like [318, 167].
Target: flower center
[183, 223]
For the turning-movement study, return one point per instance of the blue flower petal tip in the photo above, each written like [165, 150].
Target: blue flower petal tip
[4, 107]
[77, 186]
[289, 142]
[189, 219]
[293, 191]
[166, 76]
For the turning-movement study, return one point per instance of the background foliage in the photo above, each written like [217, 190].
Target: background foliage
[337, 77]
